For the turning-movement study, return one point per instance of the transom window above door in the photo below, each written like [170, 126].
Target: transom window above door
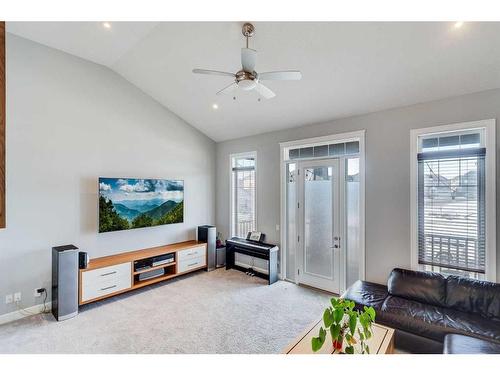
[322, 150]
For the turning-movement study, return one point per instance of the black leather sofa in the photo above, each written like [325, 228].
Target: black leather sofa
[425, 307]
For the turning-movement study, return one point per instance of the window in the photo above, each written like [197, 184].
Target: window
[243, 186]
[451, 199]
[324, 150]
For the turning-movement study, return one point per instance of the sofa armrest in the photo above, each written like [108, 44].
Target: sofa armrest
[365, 293]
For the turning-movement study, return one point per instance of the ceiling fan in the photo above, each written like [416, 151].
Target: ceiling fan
[247, 78]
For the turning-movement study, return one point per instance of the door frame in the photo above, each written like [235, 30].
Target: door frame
[338, 258]
[329, 139]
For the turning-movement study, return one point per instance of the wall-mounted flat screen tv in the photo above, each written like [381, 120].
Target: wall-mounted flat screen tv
[127, 203]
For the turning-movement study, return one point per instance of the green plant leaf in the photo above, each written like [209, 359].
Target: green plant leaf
[317, 342]
[338, 314]
[349, 350]
[371, 312]
[327, 318]
[353, 319]
[322, 333]
[335, 331]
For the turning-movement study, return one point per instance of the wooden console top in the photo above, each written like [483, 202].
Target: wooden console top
[139, 254]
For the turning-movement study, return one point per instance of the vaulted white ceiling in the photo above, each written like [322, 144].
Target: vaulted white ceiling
[348, 68]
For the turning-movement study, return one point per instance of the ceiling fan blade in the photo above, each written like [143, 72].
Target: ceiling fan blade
[248, 58]
[213, 72]
[228, 89]
[285, 75]
[264, 91]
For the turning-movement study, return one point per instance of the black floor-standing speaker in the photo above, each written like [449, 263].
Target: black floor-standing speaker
[208, 234]
[64, 282]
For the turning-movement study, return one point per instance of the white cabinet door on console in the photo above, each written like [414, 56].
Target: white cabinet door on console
[103, 281]
[194, 252]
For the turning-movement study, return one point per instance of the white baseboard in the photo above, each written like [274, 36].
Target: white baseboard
[19, 314]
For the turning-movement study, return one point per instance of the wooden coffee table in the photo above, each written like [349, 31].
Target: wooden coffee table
[382, 341]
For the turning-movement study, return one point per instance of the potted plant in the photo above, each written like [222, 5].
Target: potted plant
[347, 326]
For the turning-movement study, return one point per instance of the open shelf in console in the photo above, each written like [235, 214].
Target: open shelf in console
[138, 284]
[150, 271]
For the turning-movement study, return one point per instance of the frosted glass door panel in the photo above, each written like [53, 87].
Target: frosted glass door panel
[291, 208]
[318, 221]
[353, 245]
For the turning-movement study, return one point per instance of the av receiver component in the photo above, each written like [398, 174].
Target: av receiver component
[144, 264]
[151, 274]
[162, 259]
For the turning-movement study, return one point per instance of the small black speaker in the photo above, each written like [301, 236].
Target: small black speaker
[208, 234]
[83, 260]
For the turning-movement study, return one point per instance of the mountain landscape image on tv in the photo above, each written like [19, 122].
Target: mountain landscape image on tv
[127, 203]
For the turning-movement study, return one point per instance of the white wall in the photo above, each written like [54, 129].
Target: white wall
[387, 172]
[70, 121]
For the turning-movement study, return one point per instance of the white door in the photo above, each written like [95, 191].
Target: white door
[319, 226]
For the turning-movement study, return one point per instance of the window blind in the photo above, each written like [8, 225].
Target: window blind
[451, 204]
[243, 170]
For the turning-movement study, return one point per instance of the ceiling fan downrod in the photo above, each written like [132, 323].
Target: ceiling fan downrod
[248, 30]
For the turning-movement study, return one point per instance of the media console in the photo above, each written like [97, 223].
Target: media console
[115, 274]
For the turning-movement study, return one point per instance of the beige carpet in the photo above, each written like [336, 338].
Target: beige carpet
[205, 312]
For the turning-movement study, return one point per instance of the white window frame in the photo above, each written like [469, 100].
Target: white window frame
[317, 141]
[488, 126]
[231, 186]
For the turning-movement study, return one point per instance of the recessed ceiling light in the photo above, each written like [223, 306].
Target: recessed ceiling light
[215, 106]
[106, 25]
[458, 25]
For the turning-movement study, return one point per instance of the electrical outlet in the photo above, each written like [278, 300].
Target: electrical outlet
[8, 299]
[17, 297]
[38, 292]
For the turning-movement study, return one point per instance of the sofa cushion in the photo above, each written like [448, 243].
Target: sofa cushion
[435, 322]
[425, 287]
[471, 324]
[365, 293]
[414, 317]
[474, 296]
[459, 344]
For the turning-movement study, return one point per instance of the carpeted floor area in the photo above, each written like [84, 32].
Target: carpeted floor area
[205, 312]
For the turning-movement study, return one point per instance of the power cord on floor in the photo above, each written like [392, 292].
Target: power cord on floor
[25, 312]
[45, 311]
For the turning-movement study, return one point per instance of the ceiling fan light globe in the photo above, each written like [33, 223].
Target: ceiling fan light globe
[247, 84]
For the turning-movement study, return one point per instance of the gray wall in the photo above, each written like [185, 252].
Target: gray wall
[387, 172]
[70, 121]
